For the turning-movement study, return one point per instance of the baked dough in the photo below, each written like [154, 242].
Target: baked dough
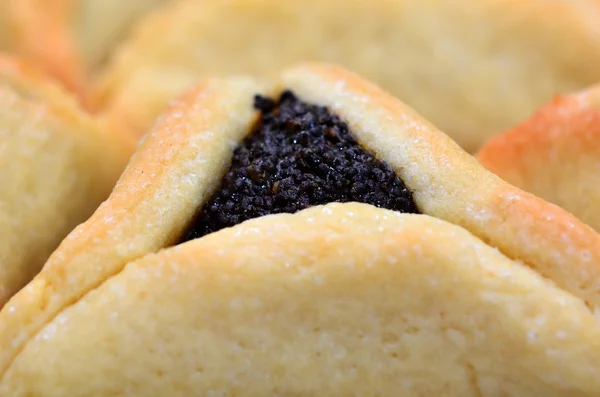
[404, 305]
[555, 154]
[72, 38]
[474, 68]
[57, 166]
[175, 171]
[6, 28]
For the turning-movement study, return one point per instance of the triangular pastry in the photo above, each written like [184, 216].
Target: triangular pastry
[498, 295]
[72, 38]
[57, 166]
[474, 68]
[555, 154]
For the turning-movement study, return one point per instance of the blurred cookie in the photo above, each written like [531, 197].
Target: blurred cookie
[57, 166]
[72, 38]
[6, 28]
[472, 68]
[555, 154]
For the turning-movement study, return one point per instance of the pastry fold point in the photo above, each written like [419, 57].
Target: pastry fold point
[58, 164]
[554, 154]
[525, 267]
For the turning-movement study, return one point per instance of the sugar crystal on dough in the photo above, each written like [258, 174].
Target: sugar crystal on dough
[48, 332]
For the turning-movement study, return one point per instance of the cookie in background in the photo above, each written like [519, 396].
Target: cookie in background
[58, 164]
[171, 284]
[70, 39]
[5, 27]
[555, 154]
[474, 68]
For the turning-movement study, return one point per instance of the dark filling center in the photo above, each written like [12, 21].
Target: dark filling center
[298, 155]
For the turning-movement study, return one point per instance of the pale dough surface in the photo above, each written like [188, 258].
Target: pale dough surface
[57, 166]
[473, 68]
[555, 154]
[339, 300]
[180, 163]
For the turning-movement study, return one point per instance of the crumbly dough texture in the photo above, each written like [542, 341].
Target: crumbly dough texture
[179, 165]
[474, 68]
[555, 154]
[73, 38]
[57, 166]
[339, 300]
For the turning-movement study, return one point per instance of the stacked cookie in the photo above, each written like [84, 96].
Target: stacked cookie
[287, 226]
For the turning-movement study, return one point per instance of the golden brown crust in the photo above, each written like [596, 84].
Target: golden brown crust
[181, 161]
[555, 154]
[57, 166]
[404, 305]
[472, 68]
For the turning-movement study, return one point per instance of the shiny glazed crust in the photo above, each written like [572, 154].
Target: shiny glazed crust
[473, 68]
[180, 163]
[71, 38]
[555, 154]
[57, 166]
[339, 300]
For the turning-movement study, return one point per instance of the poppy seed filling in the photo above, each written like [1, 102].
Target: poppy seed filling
[297, 156]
